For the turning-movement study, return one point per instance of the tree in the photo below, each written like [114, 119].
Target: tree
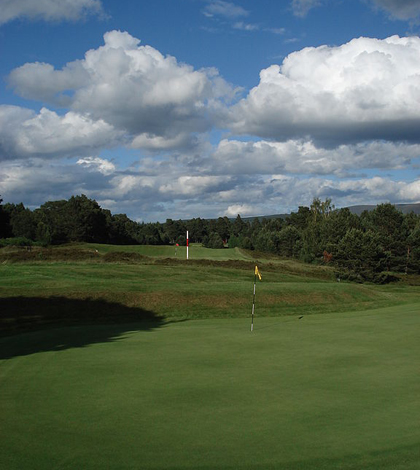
[413, 250]
[24, 224]
[87, 220]
[321, 209]
[55, 217]
[299, 219]
[4, 222]
[361, 253]
[173, 229]
[214, 241]
[121, 230]
[334, 227]
[387, 222]
[223, 227]
[238, 226]
[197, 229]
[289, 242]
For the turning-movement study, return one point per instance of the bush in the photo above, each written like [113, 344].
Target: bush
[17, 241]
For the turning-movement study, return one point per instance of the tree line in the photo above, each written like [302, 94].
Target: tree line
[372, 246]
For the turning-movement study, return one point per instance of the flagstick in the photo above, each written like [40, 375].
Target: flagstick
[253, 303]
[187, 244]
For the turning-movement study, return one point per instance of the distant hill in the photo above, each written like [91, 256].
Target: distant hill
[404, 208]
[262, 217]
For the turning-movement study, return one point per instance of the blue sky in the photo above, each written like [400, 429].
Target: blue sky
[205, 108]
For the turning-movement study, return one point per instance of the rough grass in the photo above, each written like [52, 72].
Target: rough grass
[177, 289]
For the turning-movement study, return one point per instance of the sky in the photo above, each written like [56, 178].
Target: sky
[208, 108]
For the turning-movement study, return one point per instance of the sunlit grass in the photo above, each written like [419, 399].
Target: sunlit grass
[323, 392]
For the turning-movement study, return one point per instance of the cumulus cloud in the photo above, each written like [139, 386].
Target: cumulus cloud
[401, 9]
[173, 191]
[363, 90]
[194, 185]
[48, 10]
[321, 120]
[40, 81]
[241, 209]
[23, 133]
[304, 157]
[151, 97]
[102, 165]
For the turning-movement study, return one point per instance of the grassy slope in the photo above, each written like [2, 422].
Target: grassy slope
[334, 390]
[193, 291]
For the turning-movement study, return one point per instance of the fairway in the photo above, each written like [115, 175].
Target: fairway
[322, 392]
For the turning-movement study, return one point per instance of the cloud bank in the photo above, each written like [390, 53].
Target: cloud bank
[23, 133]
[363, 90]
[48, 10]
[158, 102]
[321, 123]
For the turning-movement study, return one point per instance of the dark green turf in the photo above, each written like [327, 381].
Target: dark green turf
[323, 392]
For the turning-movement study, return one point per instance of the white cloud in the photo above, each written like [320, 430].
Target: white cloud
[224, 9]
[401, 9]
[242, 209]
[174, 191]
[48, 10]
[324, 117]
[302, 7]
[102, 165]
[363, 90]
[152, 98]
[194, 185]
[26, 134]
[153, 142]
[40, 81]
[245, 26]
[304, 157]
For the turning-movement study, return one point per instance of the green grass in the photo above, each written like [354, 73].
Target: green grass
[196, 251]
[192, 291]
[150, 364]
[324, 392]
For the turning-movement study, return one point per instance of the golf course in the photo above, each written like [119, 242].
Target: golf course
[132, 357]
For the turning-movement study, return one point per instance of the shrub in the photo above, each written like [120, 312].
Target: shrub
[17, 241]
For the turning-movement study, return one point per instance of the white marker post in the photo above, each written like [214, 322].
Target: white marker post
[187, 244]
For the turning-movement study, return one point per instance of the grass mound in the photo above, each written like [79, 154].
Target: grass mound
[124, 257]
[38, 254]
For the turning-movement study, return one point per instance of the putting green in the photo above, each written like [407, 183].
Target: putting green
[322, 392]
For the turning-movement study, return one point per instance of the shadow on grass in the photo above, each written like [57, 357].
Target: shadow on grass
[97, 321]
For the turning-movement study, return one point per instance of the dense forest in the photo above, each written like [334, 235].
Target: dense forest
[370, 247]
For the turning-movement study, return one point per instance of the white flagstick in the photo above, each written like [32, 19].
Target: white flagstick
[253, 303]
[187, 244]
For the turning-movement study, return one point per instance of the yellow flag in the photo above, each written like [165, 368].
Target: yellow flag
[257, 273]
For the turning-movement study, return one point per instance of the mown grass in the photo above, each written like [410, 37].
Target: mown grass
[107, 373]
[323, 392]
[196, 251]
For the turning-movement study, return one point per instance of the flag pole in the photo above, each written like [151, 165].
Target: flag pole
[253, 301]
[187, 244]
[256, 273]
